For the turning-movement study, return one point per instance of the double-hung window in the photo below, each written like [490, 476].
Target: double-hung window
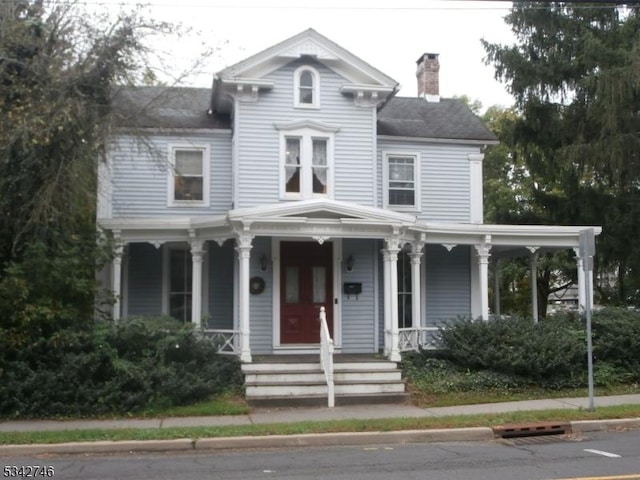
[306, 166]
[180, 283]
[401, 176]
[189, 176]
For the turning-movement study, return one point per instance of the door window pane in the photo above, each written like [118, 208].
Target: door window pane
[319, 284]
[292, 285]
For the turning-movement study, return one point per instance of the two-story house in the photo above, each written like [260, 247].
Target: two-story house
[301, 180]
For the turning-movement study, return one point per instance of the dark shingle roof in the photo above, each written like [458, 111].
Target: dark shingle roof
[446, 119]
[165, 107]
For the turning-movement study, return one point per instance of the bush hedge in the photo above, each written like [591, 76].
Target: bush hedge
[513, 353]
[106, 369]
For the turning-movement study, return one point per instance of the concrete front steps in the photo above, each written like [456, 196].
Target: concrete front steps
[298, 380]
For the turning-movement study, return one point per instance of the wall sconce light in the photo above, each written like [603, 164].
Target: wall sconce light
[264, 263]
[349, 263]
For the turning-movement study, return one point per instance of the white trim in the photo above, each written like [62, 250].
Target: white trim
[337, 309]
[306, 136]
[405, 139]
[386, 154]
[306, 123]
[315, 87]
[476, 209]
[374, 153]
[309, 42]
[176, 130]
[235, 149]
[206, 172]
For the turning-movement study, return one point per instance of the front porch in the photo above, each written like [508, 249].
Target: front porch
[386, 283]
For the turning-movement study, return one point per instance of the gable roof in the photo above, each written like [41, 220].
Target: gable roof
[447, 119]
[309, 42]
[165, 107]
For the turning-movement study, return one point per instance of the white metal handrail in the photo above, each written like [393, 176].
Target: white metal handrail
[414, 338]
[227, 341]
[326, 356]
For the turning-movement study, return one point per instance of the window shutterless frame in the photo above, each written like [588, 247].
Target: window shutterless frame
[188, 179]
[306, 87]
[401, 181]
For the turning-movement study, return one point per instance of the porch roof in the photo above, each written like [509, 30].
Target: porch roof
[325, 219]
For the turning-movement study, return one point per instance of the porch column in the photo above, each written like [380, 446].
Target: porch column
[392, 283]
[582, 298]
[482, 254]
[244, 255]
[387, 302]
[533, 278]
[197, 254]
[116, 280]
[496, 287]
[416, 306]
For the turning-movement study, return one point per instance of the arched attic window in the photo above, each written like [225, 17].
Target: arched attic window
[306, 88]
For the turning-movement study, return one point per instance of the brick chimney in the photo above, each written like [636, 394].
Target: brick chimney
[428, 77]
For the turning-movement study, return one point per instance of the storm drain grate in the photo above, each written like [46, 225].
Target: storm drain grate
[531, 430]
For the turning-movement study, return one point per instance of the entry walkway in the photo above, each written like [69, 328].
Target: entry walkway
[264, 416]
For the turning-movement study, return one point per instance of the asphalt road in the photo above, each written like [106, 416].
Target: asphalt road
[610, 455]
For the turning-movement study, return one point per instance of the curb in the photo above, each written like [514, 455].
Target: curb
[472, 434]
[584, 426]
[475, 434]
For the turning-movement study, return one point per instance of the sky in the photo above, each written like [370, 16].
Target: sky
[390, 35]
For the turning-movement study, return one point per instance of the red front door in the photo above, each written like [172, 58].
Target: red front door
[306, 284]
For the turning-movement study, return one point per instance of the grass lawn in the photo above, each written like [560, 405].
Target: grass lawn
[372, 425]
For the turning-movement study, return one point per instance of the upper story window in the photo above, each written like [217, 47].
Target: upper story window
[189, 176]
[401, 178]
[306, 87]
[306, 159]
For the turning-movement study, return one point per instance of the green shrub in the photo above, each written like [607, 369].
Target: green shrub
[616, 338]
[113, 369]
[516, 346]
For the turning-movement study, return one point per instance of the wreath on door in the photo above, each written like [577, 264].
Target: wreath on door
[256, 285]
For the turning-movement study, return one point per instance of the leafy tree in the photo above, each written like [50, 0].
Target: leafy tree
[574, 75]
[58, 69]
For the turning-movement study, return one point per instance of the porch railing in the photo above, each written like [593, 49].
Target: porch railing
[326, 357]
[226, 341]
[414, 338]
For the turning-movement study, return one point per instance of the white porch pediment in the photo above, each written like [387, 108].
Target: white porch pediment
[323, 208]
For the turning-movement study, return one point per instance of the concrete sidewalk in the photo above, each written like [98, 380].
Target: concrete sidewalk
[294, 415]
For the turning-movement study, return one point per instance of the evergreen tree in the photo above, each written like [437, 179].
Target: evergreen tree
[574, 73]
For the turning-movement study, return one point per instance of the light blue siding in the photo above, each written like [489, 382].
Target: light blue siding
[139, 169]
[444, 179]
[221, 284]
[145, 279]
[258, 139]
[448, 283]
[261, 305]
[358, 314]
